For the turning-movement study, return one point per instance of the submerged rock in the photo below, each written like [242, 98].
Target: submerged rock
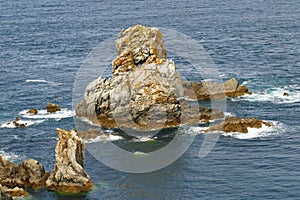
[51, 107]
[234, 124]
[286, 94]
[68, 175]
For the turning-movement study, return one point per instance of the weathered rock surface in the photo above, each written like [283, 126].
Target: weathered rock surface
[28, 174]
[210, 90]
[14, 178]
[68, 175]
[32, 111]
[51, 107]
[234, 124]
[12, 193]
[145, 91]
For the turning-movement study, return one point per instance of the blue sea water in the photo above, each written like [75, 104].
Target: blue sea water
[43, 44]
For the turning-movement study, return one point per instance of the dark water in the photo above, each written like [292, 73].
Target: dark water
[43, 44]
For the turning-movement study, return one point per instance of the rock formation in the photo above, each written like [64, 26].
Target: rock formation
[18, 123]
[145, 91]
[51, 107]
[32, 111]
[28, 174]
[68, 175]
[14, 178]
[234, 124]
[12, 193]
[209, 90]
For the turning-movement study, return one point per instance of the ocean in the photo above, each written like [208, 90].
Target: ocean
[44, 43]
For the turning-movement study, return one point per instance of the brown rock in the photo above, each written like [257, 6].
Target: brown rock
[89, 134]
[210, 90]
[145, 91]
[286, 94]
[12, 193]
[51, 107]
[17, 123]
[68, 175]
[32, 111]
[28, 174]
[234, 124]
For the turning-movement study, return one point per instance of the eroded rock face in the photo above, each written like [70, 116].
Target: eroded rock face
[234, 124]
[14, 178]
[138, 45]
[68, 175]
[145, 91]
[51, 107]
[28, 174]
[12, 193]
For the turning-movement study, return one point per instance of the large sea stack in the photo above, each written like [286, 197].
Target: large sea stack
[145, 91]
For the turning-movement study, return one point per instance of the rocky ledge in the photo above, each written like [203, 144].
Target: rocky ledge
[235, 124]
[145, 91]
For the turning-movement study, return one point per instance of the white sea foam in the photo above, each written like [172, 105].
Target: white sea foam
[8, 156]
[140, 154]
[25, 122]
[105, 137]
[246, 82]
[43, 114]
[228, 114]
[143, 139]
[275, 95]
[42, 81]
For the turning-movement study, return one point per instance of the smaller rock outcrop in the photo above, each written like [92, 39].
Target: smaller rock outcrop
[17, 123]
[286, 94]
[68, 175]
[12, 193]
[210, 90]
[14, 178]
[28, 174]
[234, 124]
[51, 107]
[32, 111]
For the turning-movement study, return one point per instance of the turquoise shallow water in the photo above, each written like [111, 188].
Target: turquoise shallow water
[43, 44]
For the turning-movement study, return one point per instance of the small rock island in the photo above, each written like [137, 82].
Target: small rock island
[145, 91]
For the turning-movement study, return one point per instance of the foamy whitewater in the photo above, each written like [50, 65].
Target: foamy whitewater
[31, 119]
[43, 81]
[264, 131]
[276, 95]
[8, 156]
[43, 114]
[104, 137]
[25, 122]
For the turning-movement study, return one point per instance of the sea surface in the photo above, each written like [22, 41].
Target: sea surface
[44, 43]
